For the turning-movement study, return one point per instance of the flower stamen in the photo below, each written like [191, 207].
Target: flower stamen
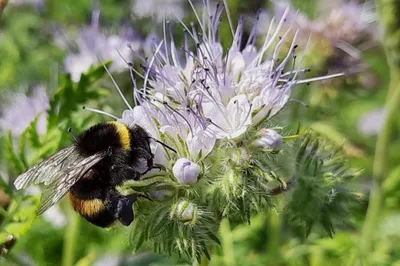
[100, 112]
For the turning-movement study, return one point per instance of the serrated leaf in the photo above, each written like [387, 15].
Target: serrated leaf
[33, 135]
[158, 225]
[70, 96]
[213, 237]
[22, 149]
[136, 236]
[20, 217]
[12, 156]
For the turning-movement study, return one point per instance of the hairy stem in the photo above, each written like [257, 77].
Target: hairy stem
[390, 19]
[71, 236]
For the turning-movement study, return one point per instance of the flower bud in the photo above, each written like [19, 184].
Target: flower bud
[185, 171]
[268, 139]
[231, 184]
[185, 210]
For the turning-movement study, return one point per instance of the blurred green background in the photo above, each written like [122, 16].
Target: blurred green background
[43, 44]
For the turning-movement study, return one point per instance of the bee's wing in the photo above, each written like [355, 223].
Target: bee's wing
[58, 173]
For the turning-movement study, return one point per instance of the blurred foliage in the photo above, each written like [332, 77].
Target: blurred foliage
[30, 56]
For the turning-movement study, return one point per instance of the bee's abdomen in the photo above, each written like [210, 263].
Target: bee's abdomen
[93, 210]
[86, 207]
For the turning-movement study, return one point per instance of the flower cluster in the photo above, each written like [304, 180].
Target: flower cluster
[214, 107]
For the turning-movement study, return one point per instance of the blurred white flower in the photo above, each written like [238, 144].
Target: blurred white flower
[93, 43]
[55, 216]
[372, 123]
[22, 109]
[268, 139]
[185, 171]
[108, 260]
[159, 9]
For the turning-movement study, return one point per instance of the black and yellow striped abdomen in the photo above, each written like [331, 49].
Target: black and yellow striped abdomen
[94, 210]
[86, 207]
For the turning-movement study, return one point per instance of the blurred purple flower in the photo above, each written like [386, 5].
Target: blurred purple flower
[21, 110]
[347, 22]
[159, 9]
[337, 37]
[372, 122]
[93, 43]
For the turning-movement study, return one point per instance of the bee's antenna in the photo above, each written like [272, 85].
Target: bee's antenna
[162, 143]
[72, 133]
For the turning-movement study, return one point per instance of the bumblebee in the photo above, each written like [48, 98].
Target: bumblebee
[101, 158]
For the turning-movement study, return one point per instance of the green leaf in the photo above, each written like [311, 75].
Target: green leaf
[12, 156]
[22, 149]
[20, 217]
[33, 135]
[88, 260]
[136, 236]
[70, 97]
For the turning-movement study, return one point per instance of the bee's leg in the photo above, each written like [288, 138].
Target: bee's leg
[120, 206]
[124, 212]
[160, 167]
[145, 155]
[149, 157]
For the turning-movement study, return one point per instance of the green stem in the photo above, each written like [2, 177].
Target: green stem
[227, 243]
[379, 174]
[391, 21]
[274, 229]
[147, 182]
[71, 236]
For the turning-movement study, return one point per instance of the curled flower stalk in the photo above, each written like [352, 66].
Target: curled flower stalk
[214, 107]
